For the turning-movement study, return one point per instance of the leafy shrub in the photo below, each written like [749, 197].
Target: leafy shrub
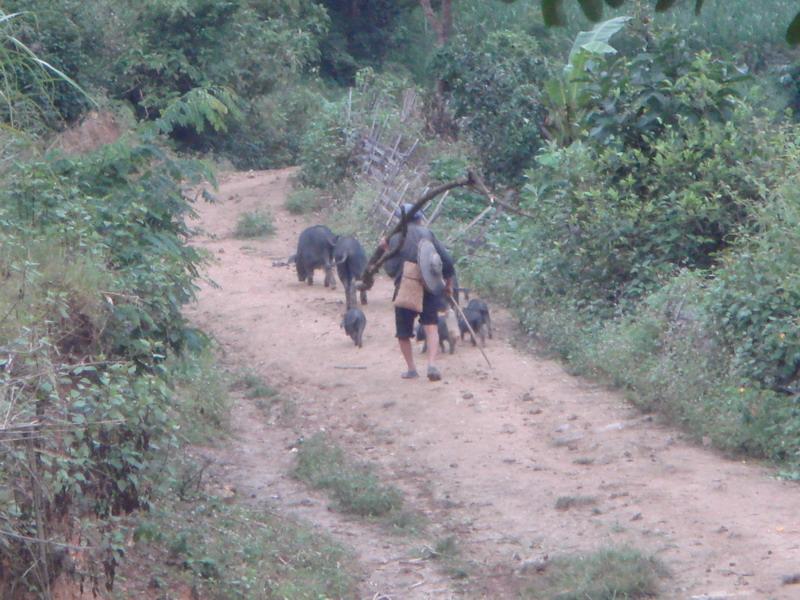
[155, 53]
[94, 255]
[176, 47]
[360, 35]
[303, 200]
[269, 133]
[661, 252]
[609, 226]
[461, 204]
[667, 355]
[734, 29]
[70, 36]
[625, 99]
[254, 224]
[636, 98]
[327, 148]
[495, 92]
[329, 145]
[33, 87]
[755, 296]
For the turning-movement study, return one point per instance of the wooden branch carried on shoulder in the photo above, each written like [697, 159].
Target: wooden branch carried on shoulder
[381, 255]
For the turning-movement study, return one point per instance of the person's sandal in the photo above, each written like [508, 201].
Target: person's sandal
[409, 375]
[434, 374]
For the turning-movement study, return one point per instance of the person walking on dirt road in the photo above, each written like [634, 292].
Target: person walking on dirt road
[420, 246]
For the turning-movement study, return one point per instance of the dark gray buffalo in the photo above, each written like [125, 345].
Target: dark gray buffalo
[354, 323]
[315, 251]
[350, 260]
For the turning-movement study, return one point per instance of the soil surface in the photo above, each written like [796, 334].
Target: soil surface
[485, 454]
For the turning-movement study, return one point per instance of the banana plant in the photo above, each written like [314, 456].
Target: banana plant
[553, 13]
[568, 96]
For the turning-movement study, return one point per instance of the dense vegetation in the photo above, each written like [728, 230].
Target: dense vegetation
[95, 267]
[655, 160]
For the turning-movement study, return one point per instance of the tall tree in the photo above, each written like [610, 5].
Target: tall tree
[442, 23]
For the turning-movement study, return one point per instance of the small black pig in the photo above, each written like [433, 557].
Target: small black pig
[354, 322]
[477, 314]
[350, 260]
[444, 335]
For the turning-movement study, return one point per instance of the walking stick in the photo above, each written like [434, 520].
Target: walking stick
[471, 330]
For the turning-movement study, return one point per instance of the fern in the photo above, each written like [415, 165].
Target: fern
[201, 107]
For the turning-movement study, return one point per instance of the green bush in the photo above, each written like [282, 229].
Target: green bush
[303, 200]
[495, 91]
[607, 574]
[609, 226]
[151, 55]
[461, 204]
[661, 252]
[360, 35]
[70, 35]
[269, 133]
[667, 355]
[329, 145]
[174, 47]
[327, 148]
[96, 269]
[254, 224]
[755, 296]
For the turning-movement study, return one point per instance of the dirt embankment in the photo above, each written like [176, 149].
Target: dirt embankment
[486, 453]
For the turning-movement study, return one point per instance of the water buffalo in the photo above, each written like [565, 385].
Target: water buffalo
[315, 251]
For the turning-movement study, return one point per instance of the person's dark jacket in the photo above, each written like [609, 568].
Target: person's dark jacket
[416, 233]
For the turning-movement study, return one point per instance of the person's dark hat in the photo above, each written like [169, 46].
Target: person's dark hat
[406, 207]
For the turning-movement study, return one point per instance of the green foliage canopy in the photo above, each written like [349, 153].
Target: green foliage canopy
[495, 89]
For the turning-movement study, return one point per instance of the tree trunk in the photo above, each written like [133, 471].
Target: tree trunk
[447, 20]
[442, 25]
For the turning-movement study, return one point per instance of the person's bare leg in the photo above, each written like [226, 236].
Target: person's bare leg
[432, 337]
[407, 352]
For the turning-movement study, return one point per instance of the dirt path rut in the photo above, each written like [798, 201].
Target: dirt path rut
[485, 453]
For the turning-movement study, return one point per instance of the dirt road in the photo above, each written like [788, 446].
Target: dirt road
[485, 453]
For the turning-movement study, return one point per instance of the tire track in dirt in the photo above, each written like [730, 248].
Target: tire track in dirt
[486, 453]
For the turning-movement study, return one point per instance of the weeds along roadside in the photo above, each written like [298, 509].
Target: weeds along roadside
[198, 539]
[95, 270]
[354, 487]
[95, 360]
